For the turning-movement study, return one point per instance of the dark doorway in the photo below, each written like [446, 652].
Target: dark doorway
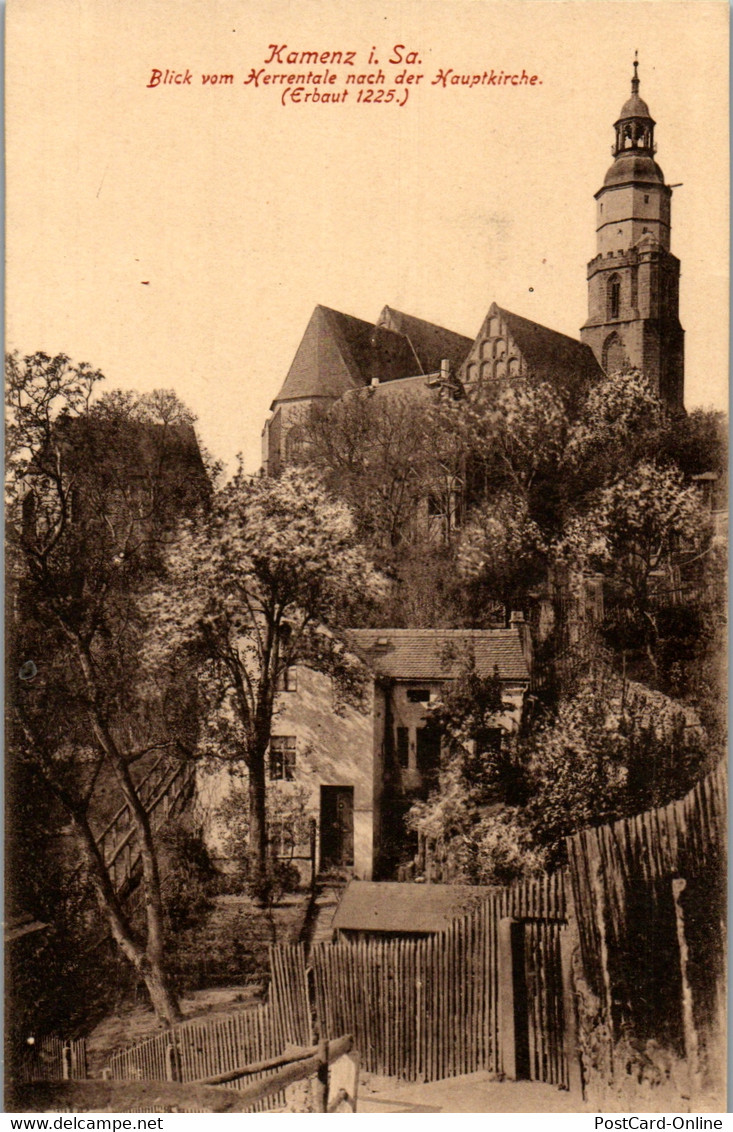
[337, 826]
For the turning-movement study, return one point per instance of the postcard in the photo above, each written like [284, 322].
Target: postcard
[366, 398]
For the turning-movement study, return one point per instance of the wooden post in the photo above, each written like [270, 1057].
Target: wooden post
[343, 1084]
[312, 832]
[570, 1035]
[66, 1063]
[171, 1063]
[688, 1018]
[513, 1022]
[320, 1081]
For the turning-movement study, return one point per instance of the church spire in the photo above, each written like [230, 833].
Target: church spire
[635, 125]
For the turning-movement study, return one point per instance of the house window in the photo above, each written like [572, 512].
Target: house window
[646, 198]
[282, 757]
[281, 837]
[288, 680]
[418, 695]
[403, 746]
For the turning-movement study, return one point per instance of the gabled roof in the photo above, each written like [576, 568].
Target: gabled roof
[389, 906]
[548, 356]
[547, 352]
[441, 654]
[339, 352]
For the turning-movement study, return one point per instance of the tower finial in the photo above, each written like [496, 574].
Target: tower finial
[635, 80]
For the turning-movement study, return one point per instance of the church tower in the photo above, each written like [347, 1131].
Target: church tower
[633, 281]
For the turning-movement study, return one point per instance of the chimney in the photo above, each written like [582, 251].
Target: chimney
[445, 372]
[374, 382]
[516, 621]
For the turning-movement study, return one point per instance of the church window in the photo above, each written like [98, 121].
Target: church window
[514, 367]
[613, 354]
[295, 445]
[614, 296]
[486, 371]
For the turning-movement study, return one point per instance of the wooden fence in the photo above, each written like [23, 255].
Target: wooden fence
[194, 1051]
[289, 998]
[436, 1007]
[51, 1058]
[649, 897]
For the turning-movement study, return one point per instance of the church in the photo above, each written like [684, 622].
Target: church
[633, 317]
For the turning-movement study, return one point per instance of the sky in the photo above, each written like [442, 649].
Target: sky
[179, 235]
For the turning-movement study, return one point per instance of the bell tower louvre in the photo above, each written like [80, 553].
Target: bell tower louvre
[633, 281]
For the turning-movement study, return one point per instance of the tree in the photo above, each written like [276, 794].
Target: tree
[264, 582]
[502, 552]
[92, 497]
[634, 532]
[613, 748]
[385, 454]
[470, 807]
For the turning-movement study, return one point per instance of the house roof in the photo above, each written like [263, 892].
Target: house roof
[441, 654]
[339, 352]
[390, 906]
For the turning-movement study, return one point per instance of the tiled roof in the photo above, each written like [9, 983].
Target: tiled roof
[551, 356]
[441, 654]
[393, 907]
[339, 352]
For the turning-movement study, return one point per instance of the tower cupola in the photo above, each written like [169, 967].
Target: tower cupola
[635, 125]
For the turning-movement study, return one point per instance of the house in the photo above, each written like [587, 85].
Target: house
[352, 767]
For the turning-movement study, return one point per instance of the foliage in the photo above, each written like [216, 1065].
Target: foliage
[486, 840]
[189, 877]
[515, 431]
[263, 582]
[613, 748]
[384, 454]
[92, 499]
[502, 550]
[634, 531]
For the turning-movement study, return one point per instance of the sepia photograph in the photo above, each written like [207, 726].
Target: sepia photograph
[366, 389]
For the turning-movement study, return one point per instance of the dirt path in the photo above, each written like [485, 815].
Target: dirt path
[478, 1092]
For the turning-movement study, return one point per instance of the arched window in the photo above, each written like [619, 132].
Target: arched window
[296, 445]
[614, 358]
[614, 296]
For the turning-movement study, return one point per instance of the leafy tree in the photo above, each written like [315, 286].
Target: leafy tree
[265, 581]
[386, 454]
[469, 809]
[613, 748]
[635, 530]
[91, 500]
[502, 552]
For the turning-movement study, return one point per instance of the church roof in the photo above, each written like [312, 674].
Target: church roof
[441, 654]
[634, 167]
[339, 352]
[550, 355]
[634, 107]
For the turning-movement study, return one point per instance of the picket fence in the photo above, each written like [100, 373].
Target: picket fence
[429, 1008]
[193, 1051]
[51, 1059]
